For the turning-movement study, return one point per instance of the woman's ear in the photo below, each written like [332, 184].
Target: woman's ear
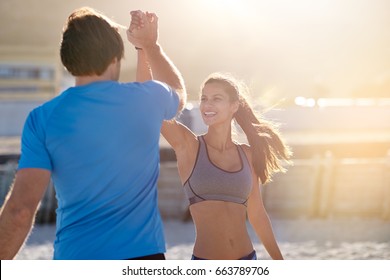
[235, 106]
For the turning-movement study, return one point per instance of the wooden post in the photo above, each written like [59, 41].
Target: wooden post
[326, 186]
[386, 191]
[7, 175]
[46, 212]
[316, 186]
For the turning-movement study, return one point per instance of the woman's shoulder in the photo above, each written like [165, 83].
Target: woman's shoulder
[246, 148]
[179, 136]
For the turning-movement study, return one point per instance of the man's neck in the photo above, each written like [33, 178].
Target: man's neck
[84, 80]
[110, 74]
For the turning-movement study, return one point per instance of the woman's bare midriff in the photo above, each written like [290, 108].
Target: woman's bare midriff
[221, 231]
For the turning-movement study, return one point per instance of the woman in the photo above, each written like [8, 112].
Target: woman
[221, 177]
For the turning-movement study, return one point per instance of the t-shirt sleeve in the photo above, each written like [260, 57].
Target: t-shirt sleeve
[165, 97]
[33, 150]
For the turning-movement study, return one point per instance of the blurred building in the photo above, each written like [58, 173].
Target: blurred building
[28, 77]
[323, 133]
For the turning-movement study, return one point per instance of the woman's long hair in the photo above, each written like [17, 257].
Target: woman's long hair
[267, 148]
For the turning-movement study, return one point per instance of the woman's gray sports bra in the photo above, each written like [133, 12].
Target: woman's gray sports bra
[209, 182]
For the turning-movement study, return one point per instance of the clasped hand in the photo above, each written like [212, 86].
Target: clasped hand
[143, 29]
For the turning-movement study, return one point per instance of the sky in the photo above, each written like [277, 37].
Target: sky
[280, 48]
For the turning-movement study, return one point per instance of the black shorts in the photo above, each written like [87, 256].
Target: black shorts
[251, 256]
[150, 257]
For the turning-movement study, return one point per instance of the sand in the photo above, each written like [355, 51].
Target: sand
[299, 239]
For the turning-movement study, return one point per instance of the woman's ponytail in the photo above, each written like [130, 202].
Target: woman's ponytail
[268, 149]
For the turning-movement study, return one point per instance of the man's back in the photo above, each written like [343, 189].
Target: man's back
[100, 142]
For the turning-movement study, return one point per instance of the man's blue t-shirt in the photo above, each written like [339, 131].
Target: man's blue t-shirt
[101, 143]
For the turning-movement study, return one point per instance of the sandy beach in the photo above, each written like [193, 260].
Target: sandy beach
[299, 239]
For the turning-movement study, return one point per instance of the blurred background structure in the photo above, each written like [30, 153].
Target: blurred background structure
[319, 68]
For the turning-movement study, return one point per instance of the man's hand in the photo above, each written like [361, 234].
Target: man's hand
[143, 29]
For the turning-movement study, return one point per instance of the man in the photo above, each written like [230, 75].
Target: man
[98, 141]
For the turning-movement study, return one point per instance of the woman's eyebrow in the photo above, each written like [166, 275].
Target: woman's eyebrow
[213, 95]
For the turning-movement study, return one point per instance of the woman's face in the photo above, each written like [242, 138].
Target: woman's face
[215, 104]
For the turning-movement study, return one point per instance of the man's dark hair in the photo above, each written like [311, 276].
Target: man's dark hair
[90, 42]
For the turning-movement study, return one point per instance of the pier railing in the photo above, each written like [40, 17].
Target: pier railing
[319, 187]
